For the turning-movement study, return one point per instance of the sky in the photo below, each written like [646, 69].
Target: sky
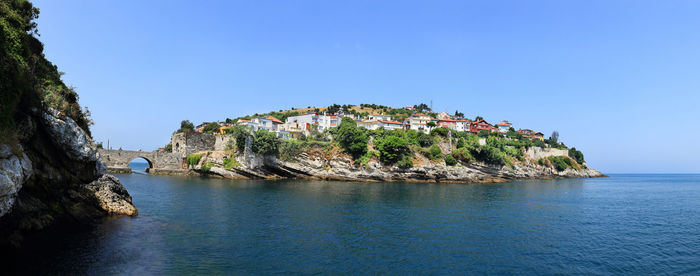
[619, 80]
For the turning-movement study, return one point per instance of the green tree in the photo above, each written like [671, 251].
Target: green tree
[392, 149]
[240, 133]
[431, 124]
[211, 128]
[266, 143]
[351, 138]
[435, 152]
[186, 126]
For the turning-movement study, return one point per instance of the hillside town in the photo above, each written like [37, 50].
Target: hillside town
[297, 125]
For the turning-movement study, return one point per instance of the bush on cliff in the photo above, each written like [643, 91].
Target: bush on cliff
[392, 149]
[435, 152]
[193, 160]
[230, 163]
[450, 161]
[352, 139]
[405, 162]
[491, 155]
[239, 134]
[576, 155]
[463, 155]
[266, 143]
[289, 149]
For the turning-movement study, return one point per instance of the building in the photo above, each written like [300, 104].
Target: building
[419, 121]
[462, 124]
[312, 121]
[478, 126]
[448, 123]
[389, 125]
[369, 124]
[504, 126]
[377, 117]
[268, 123]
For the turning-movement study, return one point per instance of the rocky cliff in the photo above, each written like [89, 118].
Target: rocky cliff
[54, 176]
[314, 165]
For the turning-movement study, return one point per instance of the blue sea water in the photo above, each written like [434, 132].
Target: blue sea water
[623, 225]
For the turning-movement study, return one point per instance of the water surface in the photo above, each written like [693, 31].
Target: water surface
[625, 224]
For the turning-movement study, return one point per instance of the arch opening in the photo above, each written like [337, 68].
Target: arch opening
[140, 165]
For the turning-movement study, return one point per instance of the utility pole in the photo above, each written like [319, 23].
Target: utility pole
[431, 105]
[108, 144]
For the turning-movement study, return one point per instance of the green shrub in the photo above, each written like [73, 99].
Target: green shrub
[405, 162]
[460, 143]
[441, 131]
[230, 163]
[463, 155]
[424, 140]
[576, 155]
[392, 149]
[207, 166]
[290, 149]
[560, 163]
[168, 147]
[491, 155]
[364, 160]
[266, 143]
[435, 152]
[450, 161]
[193, 160]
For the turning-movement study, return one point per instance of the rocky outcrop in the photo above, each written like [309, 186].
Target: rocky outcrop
[55, 176]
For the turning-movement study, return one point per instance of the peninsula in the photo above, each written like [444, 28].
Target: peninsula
[366, 142]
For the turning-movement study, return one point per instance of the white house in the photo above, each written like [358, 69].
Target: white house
[420, 122]
[377, 117]
[389, 125]
[268, 123]
[504, 126]
[368, 124]
[312, 121]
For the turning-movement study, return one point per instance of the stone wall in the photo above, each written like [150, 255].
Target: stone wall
[187, 143]
[537, 152]
[221, 141]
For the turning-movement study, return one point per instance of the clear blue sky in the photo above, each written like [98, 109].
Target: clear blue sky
[619, 80]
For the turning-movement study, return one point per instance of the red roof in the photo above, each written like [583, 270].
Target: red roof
[273, 119]
[390, 122]
[446, 120]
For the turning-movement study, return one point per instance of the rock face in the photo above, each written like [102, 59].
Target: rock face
[55, 176]
[15, 169]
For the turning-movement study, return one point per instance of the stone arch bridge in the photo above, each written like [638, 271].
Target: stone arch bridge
[118, 160]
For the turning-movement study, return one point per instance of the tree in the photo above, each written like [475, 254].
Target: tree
[266, 143]
[392, 149]
[168, 148]
[421, 107]
[240, 133]
[351, 138]
[478, 118]
[459, 114]
[431, 124]
[211, 128]
[555, 136]
[186, 126]
[576, 155]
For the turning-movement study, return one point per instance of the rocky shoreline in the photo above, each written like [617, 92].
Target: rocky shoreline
[342, 168]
